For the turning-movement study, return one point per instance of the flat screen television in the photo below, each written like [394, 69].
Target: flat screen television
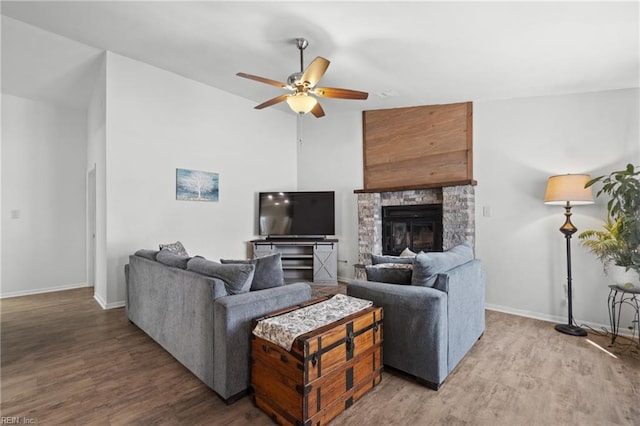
[296, 214]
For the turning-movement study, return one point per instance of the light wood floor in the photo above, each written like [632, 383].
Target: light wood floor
[65, 361]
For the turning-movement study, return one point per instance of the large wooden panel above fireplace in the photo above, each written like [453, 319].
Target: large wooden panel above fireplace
[418, 147]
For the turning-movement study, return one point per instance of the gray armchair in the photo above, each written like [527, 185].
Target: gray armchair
[429, 329]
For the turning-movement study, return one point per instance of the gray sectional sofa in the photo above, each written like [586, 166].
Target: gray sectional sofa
[188, 306]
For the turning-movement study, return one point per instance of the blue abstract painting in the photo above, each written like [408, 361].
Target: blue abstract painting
[195, 185]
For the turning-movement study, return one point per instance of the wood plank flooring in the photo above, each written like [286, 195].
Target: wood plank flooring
[65, 361]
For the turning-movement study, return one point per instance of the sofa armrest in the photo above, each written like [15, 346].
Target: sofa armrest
[415, 326]
[175, 308]
[465, 286]
[232, 331]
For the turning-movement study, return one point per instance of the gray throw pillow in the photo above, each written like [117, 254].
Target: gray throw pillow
[170, 258]
[147, 254]
[392, 273]
[377, 258]
[268, 271]
[176, 247]
[237, 278]
[428, 265]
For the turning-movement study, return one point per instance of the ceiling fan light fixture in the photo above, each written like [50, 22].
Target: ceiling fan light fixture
[303, 85]
[301, 103]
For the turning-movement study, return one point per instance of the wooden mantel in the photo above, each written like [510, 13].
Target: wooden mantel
[409, 188]
[417, 147]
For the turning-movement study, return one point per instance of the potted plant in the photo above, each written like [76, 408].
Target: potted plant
[617, 244]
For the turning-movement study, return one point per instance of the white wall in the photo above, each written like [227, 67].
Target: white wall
[97, 158]
[43, 180]
[518, 143]
[157, 121]
[330, 159]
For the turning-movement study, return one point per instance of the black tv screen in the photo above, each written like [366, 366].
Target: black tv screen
[293, 214]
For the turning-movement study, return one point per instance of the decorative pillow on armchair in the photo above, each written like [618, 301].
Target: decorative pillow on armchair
[377, 259]
[428, 265]
[268, 271]
[407, 253]
[392, 273]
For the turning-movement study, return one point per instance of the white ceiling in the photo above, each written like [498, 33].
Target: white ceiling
[402, 53]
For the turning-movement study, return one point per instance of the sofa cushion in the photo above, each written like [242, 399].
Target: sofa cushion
[377, 259]
[428, 265]
[237, 277]
[393, 273]
[268, 271]
[170, 258]
[176, 247]
[147, 254]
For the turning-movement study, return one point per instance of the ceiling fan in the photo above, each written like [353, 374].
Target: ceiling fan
[303, 86]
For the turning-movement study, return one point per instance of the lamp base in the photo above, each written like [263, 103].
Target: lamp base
[573, 330]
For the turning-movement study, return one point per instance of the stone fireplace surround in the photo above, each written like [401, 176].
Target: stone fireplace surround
[458, 215]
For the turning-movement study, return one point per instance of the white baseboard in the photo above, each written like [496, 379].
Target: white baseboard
[555, 319]
[105, 305]
[99, 300]
[42, 290]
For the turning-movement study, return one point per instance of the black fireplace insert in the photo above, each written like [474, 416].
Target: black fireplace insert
[417, 227]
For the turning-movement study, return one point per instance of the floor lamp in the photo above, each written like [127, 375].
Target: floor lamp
[568, 190]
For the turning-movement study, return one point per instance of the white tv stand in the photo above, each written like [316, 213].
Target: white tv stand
[312, 260]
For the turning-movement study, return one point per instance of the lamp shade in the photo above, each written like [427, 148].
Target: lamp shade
[568, 188]
[301, 103]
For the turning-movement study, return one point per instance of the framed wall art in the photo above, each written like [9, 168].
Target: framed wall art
[196, 185]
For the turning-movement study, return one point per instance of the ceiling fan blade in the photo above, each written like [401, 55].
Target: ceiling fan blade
[315, 71]
[263, 80]
[317, 111]
[272, 101]
[334, 92]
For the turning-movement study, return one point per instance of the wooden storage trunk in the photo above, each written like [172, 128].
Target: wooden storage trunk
[323, 374]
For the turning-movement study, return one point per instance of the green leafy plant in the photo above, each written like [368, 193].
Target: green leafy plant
[607, 244]
[619, 240]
